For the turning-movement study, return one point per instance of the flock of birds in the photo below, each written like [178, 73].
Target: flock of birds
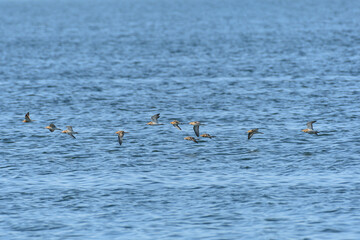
[175, 123]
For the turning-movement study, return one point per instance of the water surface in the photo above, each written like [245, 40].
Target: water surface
[104, 66]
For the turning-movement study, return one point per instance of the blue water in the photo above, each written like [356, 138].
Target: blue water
[104, 66]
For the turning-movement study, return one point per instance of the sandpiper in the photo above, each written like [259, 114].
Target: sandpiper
[154, 120]
[191, 139]
[176, 123]
[120, 136]
[252, 132]
[52, 127]
[27, 118]
[196, 125]
[69, 131]
[205, 135]
[310, 128]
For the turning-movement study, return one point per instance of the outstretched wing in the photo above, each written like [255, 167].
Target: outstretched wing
[177, 126]
[250, 135]
[196, 130]
[72, 135]
[154, 118]
[120, 139]
[27, 117]
[69, 128]
[310, 125]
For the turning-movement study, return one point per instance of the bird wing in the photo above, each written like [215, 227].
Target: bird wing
[177, 126]
[27, 117]
[120, 139]
[250, 135]
[72, 135]
[154, 118]
[51, 129]
[194, 140]
[196, 130]
[69, 128]
[52, 125]
[310, 125]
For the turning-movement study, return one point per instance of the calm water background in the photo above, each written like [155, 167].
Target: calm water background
[104, 66]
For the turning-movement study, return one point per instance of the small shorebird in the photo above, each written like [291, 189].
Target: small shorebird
[252, 132]
[52, 127]
[205, 135]
[310, 128]
[154, 120]
[120, 136]
[27, 118]
[196, 125]
[191, 139]
[69, 131]
[176, 123]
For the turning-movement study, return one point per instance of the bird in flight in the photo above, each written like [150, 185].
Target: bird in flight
[196, 125]
[191, 139]
[52, 127]
[176, 123]
[154, 120]
[27, 118]
[310, 128]
[120, 136]
[252, 132]
[69, 131]
[205, 135]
